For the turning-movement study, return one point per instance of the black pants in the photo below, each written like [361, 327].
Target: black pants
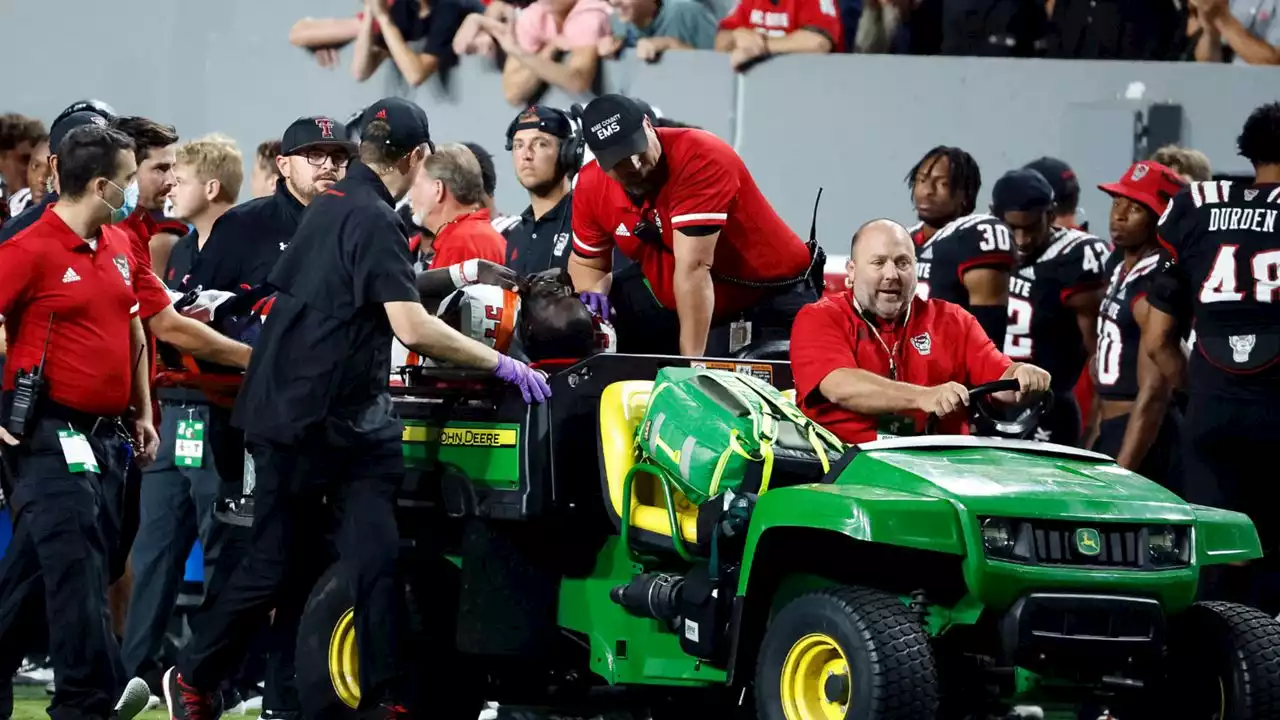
[644, 327]
[53, 577]
[1226, 442]
[771, 319]
[1163, 461]
[290, 525]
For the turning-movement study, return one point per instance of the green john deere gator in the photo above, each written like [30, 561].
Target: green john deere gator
[921, 577]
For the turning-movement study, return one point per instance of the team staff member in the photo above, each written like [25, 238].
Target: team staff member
[1054, 294]
[71, 276]
[448, 195]
[318, 419]
[1135, 421]
[683, 205]
[878, 359]
[546, 153]
[1226, 239]
[150, 228]
[962, 257]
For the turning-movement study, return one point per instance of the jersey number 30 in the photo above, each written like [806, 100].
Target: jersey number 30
[995, 237]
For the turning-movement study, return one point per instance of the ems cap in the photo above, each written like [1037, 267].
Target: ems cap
[613, 126]
[1060, 176]
[1149, 184]
[1019, 190]
[407, 121]
[308, 132]
[70, 122]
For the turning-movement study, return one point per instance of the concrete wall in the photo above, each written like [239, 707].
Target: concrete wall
[852, 125]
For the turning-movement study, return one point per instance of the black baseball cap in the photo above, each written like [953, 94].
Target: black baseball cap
[97, 107]
[408, 122]
[67, 123]
[1019, 190]
[1060, 177]
[613, 126]
[308, 132]
[540, 117]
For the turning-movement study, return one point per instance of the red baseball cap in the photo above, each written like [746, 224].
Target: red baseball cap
[1147, 183]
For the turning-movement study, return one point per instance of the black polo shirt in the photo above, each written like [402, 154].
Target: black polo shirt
[182, 259]
[323, 360]
[537, 244]
[245, 243]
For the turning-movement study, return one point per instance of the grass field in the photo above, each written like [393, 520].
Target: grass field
[30, 701]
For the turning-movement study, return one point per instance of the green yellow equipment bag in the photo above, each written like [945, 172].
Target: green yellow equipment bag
[715, 430]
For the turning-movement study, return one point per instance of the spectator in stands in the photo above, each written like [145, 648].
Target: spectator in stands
[654, 26]
[449, 196]
[878, 27]
[1250, 30]
[758, 29]
[265, 171]
[38, 175]
[1066, 192]
[542, 33]
[325, 36]
[388, 31]
[473, 39]
[489, 178]
[1191, 165]
[19, 136]
[1116, 29]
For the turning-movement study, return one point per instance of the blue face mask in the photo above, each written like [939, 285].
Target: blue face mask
[129, 204]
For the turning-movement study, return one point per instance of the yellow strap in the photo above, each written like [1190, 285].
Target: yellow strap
[822, 452]
[673, 454]
[767, 451]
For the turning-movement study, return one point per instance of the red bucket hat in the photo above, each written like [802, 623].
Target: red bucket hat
[1147, 183]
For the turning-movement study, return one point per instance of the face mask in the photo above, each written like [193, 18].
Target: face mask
[417, 219]
[129, 204]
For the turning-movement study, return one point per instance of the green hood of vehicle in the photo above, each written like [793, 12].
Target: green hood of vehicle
[1012, 479]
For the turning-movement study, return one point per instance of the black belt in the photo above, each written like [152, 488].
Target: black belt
[183, 396]
[89, 423]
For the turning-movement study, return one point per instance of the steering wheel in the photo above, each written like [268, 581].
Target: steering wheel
[988, 418]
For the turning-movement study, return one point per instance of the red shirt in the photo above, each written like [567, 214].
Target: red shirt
[48, 268]
[783, 17]
[467, 237]
[152, 296]
[707, 184]
[940, 343]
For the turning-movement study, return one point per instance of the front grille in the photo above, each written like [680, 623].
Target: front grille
[1119, 545]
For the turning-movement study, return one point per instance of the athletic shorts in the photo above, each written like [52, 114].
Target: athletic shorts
[1163, 461]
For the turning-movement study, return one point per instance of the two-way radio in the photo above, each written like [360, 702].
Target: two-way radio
[27, 389]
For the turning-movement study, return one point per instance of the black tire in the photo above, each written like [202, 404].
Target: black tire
[431, 594]
[891, 671]
[1223, 664]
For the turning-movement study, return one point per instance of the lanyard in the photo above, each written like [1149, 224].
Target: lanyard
[893, 354]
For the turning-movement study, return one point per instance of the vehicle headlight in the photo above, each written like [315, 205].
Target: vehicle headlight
[1006, 539]
[1168, 545]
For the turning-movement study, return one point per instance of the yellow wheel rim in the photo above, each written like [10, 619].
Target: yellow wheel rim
[344, 668]
[815, 682]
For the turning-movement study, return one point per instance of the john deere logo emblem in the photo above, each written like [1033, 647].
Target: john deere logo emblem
[1088, 542]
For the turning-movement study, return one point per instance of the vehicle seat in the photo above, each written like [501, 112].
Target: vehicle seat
[622, 408]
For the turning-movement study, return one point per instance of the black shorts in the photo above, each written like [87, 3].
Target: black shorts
[1225, 443]
[1061, 424]
[1163, 462]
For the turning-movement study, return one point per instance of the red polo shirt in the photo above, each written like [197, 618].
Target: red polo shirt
[940, 343]
[468, 236]
[48, 269]
[140, 227]
[707, 184]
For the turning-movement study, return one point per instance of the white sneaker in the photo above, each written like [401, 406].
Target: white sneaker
[1031, 712]
[31, 674]
[135, 698]
[490, 711]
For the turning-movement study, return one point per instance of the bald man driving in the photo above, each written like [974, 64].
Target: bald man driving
[876, 360]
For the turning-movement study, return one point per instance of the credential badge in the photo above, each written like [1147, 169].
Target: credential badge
[922, 343]
[562, 240]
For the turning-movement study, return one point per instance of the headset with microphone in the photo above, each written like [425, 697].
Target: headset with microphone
[563, 125]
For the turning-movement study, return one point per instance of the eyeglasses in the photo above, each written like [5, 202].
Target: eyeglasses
[316, 158]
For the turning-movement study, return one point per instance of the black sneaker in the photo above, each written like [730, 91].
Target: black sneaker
[281, 715]
[188, 703]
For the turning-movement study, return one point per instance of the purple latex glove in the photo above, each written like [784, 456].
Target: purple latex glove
[532, 383]
[598, 302]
